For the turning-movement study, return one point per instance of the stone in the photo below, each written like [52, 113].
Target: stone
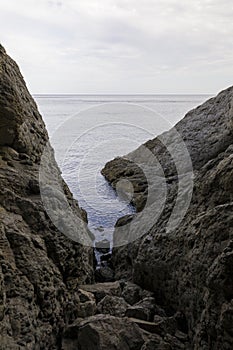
[100, 290]
[131, 293]
[87, 305]
[86, 309]
[144, 310]
[104, 274]
[103, 332]
[85, 296]
[112, 305]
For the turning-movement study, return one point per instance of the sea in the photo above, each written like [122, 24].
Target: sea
[87, 131]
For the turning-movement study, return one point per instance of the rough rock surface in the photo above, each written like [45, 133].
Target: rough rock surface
[114, 306]
[38, 264]
[111, 328]
[189, 268]
[102, 332]
[176, 288]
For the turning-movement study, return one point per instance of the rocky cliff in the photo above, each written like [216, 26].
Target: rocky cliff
[174, 287]
[190, 266]
[39, 266]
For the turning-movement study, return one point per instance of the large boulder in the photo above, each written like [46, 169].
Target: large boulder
[103, 332]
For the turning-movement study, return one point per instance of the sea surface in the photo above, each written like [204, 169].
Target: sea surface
[86, 131]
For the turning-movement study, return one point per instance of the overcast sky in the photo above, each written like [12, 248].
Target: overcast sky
[120, 46]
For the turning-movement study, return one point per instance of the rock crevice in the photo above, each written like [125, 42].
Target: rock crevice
[172, 290]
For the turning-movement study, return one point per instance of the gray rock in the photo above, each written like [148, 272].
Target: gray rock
[87, 305]
[104, 274]
[100, 290]
[36, 260]
[103, 332]
[144, 310]
[112, 305]
[131, 293]
[85, 296]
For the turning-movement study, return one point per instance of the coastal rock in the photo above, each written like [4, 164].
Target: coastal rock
[103, 332]
[188, 267]
[104, 274]
[113, 306]
[36, 259]
[100, 290]
[131, 293]
[144, 310]
[87, 304]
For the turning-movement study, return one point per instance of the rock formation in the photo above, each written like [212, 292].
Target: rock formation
[48, 297]
[190, 267]
[172, 290]
[38, 265]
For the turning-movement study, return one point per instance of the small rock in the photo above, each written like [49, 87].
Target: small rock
[87, 309]
[104, 274]
[143, 310]
[114, 306]
[100, 229]
[100, 290]
[85, 296]
[131, 293]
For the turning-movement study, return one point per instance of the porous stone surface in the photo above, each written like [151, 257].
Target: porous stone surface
[176, 286]
[189, 268]
[114, 306]
[37, 262]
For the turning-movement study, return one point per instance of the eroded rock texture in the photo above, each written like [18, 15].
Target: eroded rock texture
[189, 268]
[39, 266]
[171, 290]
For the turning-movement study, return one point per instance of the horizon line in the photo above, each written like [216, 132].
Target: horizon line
[119, 94]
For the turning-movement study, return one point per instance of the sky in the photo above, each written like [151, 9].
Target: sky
[120, 46]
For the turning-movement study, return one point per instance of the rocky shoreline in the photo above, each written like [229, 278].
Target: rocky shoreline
[189, 268]
[38, 264]
[162, 291]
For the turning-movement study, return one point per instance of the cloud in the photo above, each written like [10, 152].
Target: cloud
[120, 45]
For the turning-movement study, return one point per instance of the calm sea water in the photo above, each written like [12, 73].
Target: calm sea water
[86, 131]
